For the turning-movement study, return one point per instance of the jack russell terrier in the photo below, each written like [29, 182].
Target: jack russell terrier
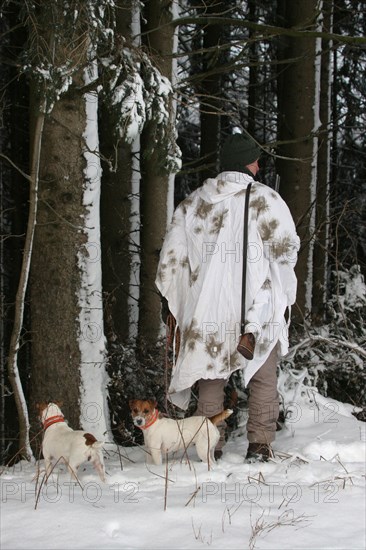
[62, 443]
[163, 435]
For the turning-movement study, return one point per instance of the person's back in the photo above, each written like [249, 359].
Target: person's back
[200, 274]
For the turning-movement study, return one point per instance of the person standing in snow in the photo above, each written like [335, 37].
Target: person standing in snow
[200, 276]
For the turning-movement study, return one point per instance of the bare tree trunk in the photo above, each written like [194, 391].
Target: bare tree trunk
[116, 233]
[297, 102]
[155, 185]
[68, 344]
[55, 275]
[116, 204]
[253, 75]
[13, 371]
[210, 93]
[321, 246]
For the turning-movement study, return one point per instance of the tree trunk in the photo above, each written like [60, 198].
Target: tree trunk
[116, 204]
[155, 197]
[253, 74]
[321, 246]
[55, 275]
[298, 119]
[210, 93]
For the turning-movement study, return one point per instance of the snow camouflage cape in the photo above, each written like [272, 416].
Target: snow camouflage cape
[200, 274]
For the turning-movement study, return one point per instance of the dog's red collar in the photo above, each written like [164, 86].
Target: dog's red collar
[153, 419]
[53, 420]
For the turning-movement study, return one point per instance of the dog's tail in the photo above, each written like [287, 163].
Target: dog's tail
[97, 445]
[91, 441]
[217, 418]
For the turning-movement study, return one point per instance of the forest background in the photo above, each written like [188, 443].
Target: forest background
[112, 111]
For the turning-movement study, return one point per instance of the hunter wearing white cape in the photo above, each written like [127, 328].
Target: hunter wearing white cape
[200, 275]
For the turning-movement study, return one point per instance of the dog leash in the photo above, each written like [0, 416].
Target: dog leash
[173, 334]
[172, 341]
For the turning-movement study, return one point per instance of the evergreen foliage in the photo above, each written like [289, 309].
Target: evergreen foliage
[228, 75]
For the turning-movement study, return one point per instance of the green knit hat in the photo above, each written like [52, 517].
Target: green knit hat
[237, 152]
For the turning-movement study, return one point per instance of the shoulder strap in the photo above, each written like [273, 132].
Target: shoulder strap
[245, 250]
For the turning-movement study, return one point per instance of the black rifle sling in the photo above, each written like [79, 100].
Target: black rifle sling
[245, 251]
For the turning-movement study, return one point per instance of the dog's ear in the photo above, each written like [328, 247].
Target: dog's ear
[153, 403]
[41, 406]
[131, 403]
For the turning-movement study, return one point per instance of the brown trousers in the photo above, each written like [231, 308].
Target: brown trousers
[211, 395]
[263, 402]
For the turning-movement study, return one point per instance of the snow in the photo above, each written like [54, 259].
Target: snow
[135, 218]
[309, 283]
[175, 11]
[130, 94]
[92, 342]
[353, 283]
[134, 245]
[311, 495]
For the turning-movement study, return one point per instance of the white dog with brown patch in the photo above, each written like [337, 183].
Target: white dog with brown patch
[166, 435]
[62, 443]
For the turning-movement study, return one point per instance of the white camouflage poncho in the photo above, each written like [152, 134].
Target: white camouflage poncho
[200, 274]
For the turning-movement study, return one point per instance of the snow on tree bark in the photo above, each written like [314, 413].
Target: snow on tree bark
[92, 343]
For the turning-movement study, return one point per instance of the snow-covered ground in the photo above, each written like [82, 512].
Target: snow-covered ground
[311, 496]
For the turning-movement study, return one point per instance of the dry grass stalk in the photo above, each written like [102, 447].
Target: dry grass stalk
[286, 519]
[199, 536]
